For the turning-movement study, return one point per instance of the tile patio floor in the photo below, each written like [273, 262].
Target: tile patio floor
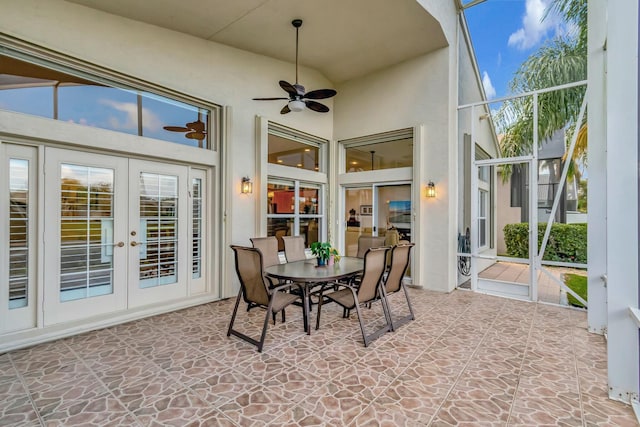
[468, 359]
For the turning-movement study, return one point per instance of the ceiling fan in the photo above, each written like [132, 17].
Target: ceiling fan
[298, 98]
[194, 130]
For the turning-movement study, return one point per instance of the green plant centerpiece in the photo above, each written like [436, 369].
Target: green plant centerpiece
[323, 251]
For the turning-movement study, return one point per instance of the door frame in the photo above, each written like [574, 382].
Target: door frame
[500, 287]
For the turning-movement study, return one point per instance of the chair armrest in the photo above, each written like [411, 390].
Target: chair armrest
[273, 289]
[349, 285]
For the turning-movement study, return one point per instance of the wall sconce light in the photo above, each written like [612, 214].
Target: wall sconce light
[431, 189]
[247, 185]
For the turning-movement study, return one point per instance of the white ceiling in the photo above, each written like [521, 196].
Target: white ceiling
[342, 39]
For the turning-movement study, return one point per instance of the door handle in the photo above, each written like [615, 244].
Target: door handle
[119, 244]
[134, 243]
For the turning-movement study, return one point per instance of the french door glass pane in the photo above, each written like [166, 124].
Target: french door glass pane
[158, 229]
[196, 240]
[86, 231]
[18, 232]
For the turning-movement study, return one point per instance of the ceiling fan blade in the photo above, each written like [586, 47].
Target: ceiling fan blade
[289, 88]
[316, 106]
[285, 109]
[197, 126]
[268, 99]
[195, 135]
[176, 128]
[320, 94]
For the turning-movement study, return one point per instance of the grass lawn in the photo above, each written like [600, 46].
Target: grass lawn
[579, 285]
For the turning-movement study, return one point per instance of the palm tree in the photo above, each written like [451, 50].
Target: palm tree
[561, 60]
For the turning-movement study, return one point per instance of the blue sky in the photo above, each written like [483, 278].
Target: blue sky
[504, 34]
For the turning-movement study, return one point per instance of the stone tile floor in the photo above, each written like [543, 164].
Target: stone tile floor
[467, 359]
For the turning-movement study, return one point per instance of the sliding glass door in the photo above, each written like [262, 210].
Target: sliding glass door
[378, 210]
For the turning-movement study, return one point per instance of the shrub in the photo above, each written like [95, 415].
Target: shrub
[567, 242]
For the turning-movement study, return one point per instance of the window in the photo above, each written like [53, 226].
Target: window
[485, 201]
[54, 91]
[293, 168]
[196, 238]
[382, 151]
[18, 232]
[285, 152]
[289, 148]
[86, 231]
[483, 223]
[294, 208]
[158, 229]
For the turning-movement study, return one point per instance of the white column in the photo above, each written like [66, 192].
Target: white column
[622, 196]
[597, 169]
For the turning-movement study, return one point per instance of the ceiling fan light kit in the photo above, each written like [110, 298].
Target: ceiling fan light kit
[296, 105]
[298, 99]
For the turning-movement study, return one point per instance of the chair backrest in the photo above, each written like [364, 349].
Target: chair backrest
[367, 242]
[375, 263]
[399, 263]
[249, 268]
[269, 248]
[294, 248]
[279, 235]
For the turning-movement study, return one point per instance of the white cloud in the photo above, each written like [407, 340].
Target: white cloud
[150, 121]
[534, 27]
[489, 90]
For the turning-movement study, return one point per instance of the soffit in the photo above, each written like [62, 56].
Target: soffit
[341, 39]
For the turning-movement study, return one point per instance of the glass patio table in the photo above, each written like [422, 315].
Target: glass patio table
[307, 275]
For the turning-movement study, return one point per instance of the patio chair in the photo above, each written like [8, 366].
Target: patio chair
[294, 248]
[367, 242]
[269, 248]
[257, 292]
[394, 280]
[370, 290]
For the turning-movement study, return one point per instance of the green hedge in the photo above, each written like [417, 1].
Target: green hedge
[567, 242]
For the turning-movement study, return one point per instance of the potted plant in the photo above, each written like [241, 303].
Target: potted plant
[323, 251]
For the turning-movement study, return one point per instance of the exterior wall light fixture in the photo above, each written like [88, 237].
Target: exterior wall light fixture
[431, 189]
[247, 186]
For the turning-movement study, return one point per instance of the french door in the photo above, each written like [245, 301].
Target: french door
[116, 234]
[157, 244]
